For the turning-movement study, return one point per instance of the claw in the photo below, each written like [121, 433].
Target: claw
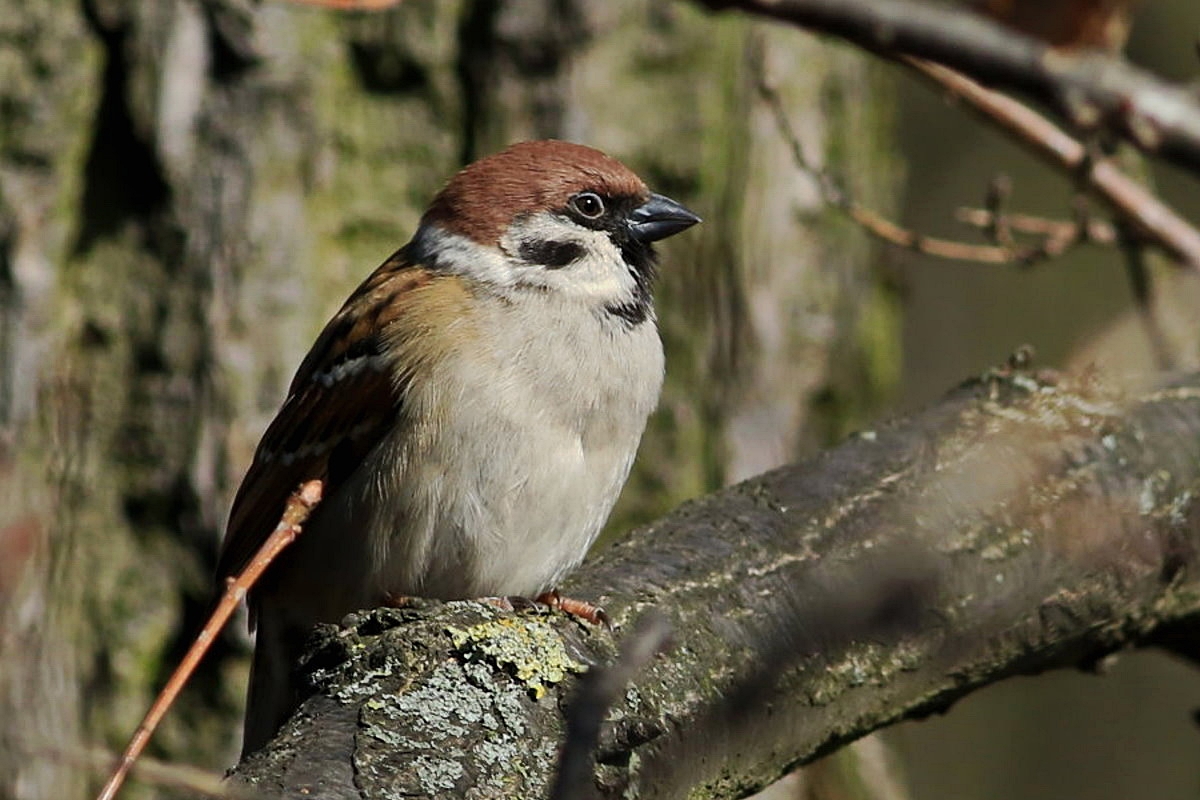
[502, 603]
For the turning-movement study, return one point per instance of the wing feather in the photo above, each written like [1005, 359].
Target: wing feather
[343, 400]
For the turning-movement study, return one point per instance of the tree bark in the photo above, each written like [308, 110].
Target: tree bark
[1020, 525]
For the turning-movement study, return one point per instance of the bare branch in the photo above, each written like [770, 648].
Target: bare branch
[299, 506]
[892, 233]
[1090, 89]
[1091, 230]
[1149, 216]
[1139, 283]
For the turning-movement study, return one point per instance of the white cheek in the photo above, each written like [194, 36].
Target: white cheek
[599, 274]
[462, 256]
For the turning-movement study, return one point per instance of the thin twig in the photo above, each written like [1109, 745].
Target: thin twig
[1152, 218]
[299, 506]
[1095, 230]
[885, 229]
[1139, 284]
[998, 194]
[881, 227]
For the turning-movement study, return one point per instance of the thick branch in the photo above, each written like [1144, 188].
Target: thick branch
[1091, 89]
[1017, 526]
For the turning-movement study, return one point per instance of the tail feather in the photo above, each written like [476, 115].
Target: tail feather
[273, 693]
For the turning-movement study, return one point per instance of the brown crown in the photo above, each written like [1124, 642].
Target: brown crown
[484, 197]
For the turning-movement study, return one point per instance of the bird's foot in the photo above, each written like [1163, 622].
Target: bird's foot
[391, 600]
[581, 609]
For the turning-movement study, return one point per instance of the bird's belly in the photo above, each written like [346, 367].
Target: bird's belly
[510, 513]
[526, 526]
[511, 460]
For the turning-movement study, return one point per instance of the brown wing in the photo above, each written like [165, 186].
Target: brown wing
[342, 401]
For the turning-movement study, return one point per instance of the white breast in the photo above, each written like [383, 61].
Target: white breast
[517, 454]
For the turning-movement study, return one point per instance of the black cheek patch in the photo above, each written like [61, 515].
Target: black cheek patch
[549, 254]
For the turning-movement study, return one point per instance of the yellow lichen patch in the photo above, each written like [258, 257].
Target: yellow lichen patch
[528, 649]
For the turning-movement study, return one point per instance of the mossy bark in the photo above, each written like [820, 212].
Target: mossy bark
[1018, 526]
[189, 188]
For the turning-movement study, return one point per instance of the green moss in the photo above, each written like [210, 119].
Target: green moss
[526, 648]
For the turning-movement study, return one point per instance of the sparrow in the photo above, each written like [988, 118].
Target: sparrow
[474, 407]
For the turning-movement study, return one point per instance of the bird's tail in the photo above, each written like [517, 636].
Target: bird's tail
[274, 691]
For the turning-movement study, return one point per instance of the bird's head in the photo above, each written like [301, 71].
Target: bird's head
[552, 216]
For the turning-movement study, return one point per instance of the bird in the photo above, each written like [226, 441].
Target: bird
[473, 408]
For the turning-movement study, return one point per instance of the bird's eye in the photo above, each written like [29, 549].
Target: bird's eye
[588, 204]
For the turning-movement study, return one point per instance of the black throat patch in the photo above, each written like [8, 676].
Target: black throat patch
[640, 260]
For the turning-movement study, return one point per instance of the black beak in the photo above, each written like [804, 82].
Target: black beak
[658, 218]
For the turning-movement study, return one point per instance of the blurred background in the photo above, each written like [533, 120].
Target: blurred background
[1130, 732]
[189, 188]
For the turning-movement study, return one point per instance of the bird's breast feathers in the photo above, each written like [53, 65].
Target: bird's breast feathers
[511, 454]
